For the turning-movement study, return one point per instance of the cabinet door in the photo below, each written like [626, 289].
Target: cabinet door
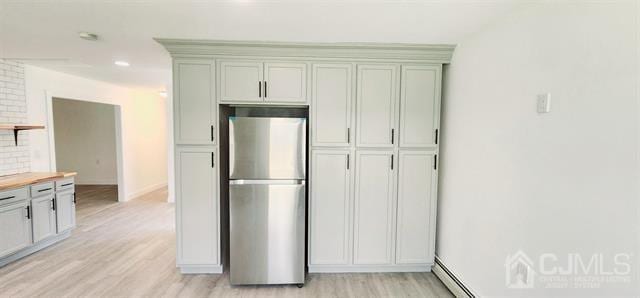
[374, 201]
[43, 218]
[241, 81]
[194, 102]
[331, 104]
[416, 185]
[15, 227]
[376, 105]
[197, 206]
[329, 210]
[285, 82]
[419, 105]
[65, 210]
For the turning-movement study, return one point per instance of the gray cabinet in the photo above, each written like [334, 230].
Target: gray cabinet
[285, 82]
[419, 105]
[374, 207]
[373, 107]
[331, 105]
[197, 206]
[15, 221]
[256, 81]
[415, 238]
[241, 81]
[194, 102]
[377, 98]
[65, 203]
[329, 211]
[43, 217]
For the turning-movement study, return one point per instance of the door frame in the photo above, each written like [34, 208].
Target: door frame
[119, 141]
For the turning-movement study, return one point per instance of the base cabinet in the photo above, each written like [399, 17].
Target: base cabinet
[43, 217]
[65, 210]
[416, 213]
[15, 227]
[197, 206]
[329, 207]
[374, 200]
[35, 216]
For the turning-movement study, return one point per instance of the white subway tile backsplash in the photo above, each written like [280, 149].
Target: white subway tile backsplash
[13, 109]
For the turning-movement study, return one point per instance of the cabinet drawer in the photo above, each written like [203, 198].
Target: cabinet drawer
[42, 189]
[14, 195]
[65, 184]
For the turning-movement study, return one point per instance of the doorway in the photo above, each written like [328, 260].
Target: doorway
[86, 141]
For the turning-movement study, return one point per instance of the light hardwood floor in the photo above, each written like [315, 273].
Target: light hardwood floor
[128, 249]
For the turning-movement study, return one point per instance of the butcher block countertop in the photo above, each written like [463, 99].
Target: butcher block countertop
[19, 180]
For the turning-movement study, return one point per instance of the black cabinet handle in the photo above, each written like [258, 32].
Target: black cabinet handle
[348, 135]
[265, 89]
[211, 133]
[74, 198]
[67, 184]
[435, 162]
[53, 201]
[392, 135]
[44, 189]
[28, 212]
[348, 161]
[213, 157]
[7, 198]
[436, 136]
[392, 161]
[259, 89]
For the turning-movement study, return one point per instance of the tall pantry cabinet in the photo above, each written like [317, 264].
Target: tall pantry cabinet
[380, 213]
[373, 135]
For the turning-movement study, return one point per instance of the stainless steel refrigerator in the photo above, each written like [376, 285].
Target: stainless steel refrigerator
[267, 173]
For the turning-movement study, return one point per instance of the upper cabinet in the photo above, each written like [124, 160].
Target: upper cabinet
[331, 104]
[251, 81]
[194, 102]
[377, 96]
[241, 81]
[285, 82]
[419, 105]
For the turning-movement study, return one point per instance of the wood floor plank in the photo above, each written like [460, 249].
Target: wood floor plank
[127, 249]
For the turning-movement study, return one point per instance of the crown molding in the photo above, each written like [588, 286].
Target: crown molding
[440, 53]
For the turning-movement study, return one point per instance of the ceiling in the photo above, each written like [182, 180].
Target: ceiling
[45, 32]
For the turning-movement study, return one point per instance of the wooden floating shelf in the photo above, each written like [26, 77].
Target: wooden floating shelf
[18, 127]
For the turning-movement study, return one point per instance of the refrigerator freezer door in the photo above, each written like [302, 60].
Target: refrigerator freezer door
[267, 148]
[267, 233]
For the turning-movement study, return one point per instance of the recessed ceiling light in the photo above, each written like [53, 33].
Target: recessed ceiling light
[88, 36]
[163, 93]
[121, 63]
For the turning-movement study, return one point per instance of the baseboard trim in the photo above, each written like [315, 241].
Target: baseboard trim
[34, 248]
[145, 190]
[454, 284]
[366, 269]
[200, 269]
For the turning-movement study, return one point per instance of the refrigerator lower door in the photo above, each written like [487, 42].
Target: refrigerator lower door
[267, 231]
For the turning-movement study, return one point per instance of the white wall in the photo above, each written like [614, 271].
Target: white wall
[143, 123]
[563, 182]
[85, 140]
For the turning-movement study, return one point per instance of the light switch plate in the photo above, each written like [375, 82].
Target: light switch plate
[544, 103]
